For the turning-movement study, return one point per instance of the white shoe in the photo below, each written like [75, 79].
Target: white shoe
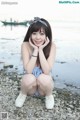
[49, 101]
[20, 100]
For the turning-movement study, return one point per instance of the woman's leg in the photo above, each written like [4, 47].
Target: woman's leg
[45, 87]
[28, 87]
[45, 84]
[28, 84]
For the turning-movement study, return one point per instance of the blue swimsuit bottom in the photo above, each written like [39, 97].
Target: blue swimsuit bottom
[37, 71]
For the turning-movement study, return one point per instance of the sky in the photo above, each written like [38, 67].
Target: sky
[49, 9]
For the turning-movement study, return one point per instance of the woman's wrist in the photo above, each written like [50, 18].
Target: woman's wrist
[34, 55]
[40, 49]
[36, 49]
[35, 52]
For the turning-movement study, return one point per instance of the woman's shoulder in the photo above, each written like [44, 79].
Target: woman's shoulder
[25, 45]
[53, 45]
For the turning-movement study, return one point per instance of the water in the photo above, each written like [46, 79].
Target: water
[66, 36]
[67, 66]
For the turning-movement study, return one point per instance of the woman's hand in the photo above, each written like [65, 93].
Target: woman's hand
[45, 44]
[35, 47]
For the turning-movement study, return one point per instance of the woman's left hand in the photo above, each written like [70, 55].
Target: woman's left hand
[45, 44]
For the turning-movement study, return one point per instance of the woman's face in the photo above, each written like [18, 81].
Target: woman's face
[39, 37]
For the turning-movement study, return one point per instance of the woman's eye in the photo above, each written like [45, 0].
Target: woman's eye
[42, 33]
[34, 33]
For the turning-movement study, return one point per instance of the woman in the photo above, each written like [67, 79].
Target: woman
[38, 55]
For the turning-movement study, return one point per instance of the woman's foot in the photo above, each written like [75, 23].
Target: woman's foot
[20, 100]
[49, 102]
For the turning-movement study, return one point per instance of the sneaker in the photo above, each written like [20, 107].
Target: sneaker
[20, 100]
[49, 101]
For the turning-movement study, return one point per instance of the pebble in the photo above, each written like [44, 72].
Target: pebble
[67, 105]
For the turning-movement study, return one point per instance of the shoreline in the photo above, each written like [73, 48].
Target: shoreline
[67, 104]
[65, 74]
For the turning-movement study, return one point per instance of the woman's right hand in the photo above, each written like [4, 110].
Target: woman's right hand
[35, 47]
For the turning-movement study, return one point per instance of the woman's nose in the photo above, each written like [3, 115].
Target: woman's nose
[38, 36]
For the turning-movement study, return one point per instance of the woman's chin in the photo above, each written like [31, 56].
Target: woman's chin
[38, 45]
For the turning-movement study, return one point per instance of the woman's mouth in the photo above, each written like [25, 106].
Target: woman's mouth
[38, 42]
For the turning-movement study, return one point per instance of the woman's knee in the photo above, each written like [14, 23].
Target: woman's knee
[45, 80]
[28, 79]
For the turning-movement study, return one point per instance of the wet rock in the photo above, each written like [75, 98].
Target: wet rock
[8, 66]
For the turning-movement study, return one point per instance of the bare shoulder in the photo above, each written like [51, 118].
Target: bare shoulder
[26, 48]
[24, 44]
[53, 46]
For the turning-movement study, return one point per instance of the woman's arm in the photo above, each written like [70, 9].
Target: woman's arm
[28, 62]
[47, 65]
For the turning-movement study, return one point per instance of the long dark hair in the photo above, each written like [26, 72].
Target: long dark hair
[36, 26]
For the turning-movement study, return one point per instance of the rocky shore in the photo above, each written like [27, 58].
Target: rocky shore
[67, 104]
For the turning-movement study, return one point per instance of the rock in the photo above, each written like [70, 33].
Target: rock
[67, 104]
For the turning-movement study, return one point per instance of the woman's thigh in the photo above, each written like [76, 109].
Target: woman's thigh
[45, 82]
[28, 79]
[29, 83]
